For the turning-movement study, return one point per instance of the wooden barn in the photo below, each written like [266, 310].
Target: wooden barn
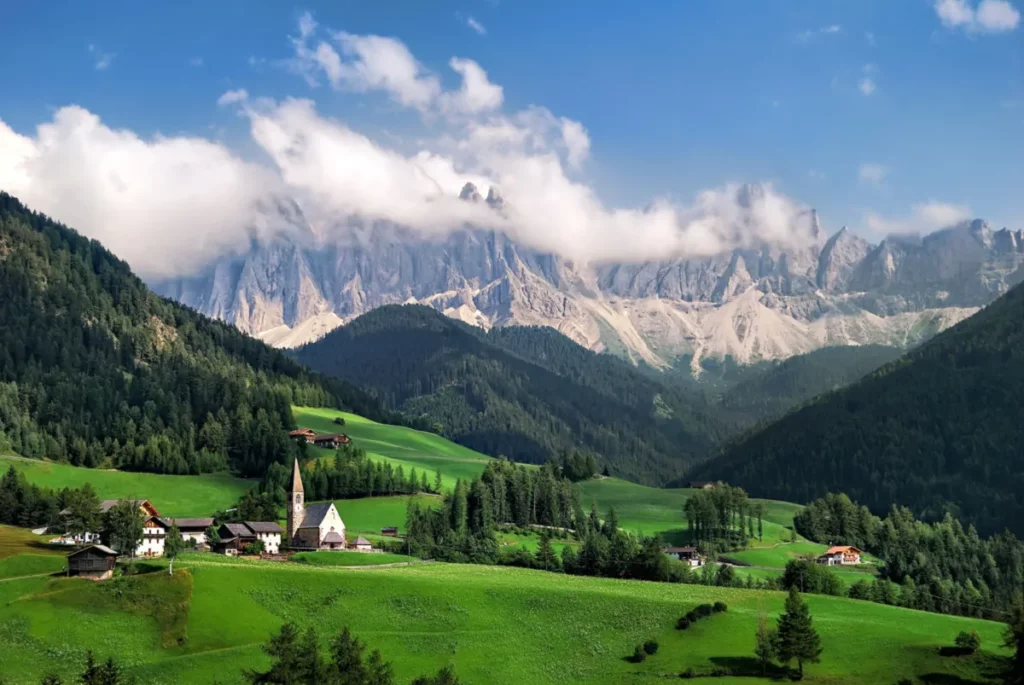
[95, 562]
[331, 441]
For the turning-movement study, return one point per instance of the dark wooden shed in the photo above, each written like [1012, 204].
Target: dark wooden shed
[95, 561]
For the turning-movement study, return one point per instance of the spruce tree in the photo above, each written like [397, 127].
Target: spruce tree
[545, 557]
[1015, 641]
[797, 637]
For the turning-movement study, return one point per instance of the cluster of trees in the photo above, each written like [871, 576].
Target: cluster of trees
[939, 567]
[97, 370]
[575, 465]
[352, 474]
[723, 517]
[107, 673]
[935, 431]
[296, 660]
[28, 505]
[528, 392]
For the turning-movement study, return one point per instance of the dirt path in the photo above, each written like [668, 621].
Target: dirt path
[34, 575]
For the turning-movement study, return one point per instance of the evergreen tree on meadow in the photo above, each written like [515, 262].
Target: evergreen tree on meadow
[546, 558]
[766, 646]
[123, 527]
[797, 637]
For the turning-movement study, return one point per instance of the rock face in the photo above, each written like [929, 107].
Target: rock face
[747, 305]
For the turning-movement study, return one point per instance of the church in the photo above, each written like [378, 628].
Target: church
[316, 527]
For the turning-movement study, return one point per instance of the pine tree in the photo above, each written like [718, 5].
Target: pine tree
[545, 557]
[288, 665]
[764, 649]
[1015, 641]
[437, 481]
[378, 671]
[797, 637]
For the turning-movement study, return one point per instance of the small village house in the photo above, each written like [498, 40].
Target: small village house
[841, 556]
[302, 435]
[193, 529]
[235, 537]
[362, 545]
[389, 531]
[154, 532]
[702, 484]
[331, 441]
[314, 527]
[95, 562]
[688, 554]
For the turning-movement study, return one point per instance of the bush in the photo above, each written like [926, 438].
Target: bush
[688, 673]
[638, 655]
[969, 642]
[683, 623]
[651, 646]
[719, 607]
[704, 610]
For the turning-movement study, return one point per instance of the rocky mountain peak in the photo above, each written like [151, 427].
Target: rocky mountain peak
[470, 193]
[494, 199]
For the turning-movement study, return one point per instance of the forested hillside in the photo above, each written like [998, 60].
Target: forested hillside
[527, 393]
[937, 430]
[97, 370]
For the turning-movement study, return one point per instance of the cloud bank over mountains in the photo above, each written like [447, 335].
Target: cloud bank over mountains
[171, 204]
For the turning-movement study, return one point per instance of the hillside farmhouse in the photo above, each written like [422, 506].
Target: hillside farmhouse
[687, 554]
[193, 528]
[302, 435]
[314, 527]
[840, 556]
[362, 545]
[332, 441]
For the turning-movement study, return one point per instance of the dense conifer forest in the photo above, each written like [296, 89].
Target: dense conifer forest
[97, 370]
[937, 431]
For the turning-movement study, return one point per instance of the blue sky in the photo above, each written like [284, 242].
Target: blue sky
[863, 110]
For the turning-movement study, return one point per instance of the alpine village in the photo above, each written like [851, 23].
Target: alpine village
[492, 343]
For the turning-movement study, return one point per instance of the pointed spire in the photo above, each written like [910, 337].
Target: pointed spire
[296, 478]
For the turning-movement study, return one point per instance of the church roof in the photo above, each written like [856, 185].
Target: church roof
[315, 514]
[296, 478]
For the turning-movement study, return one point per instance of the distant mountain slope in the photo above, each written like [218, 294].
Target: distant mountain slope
[938, 430]
[96, 369]
[772, 391]
[748, 305]
[522, 392]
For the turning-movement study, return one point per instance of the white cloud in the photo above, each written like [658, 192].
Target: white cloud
[867, 85]
[165, 204]
[476, 26]
[923, 218]
[870, 38]
[101, 60]
[809, 34]
[233, 96]
[990, 16]
[872, 173]
[195, 62]
[816, 175]
[171, 204]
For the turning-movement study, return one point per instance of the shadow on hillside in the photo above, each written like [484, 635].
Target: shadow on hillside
[948, 679]
[677, 537]
[526, 449]
[748, 667]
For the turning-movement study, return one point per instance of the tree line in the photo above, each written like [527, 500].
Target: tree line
[940, 567]
[352, 474]
[96, 370]
[723, 517]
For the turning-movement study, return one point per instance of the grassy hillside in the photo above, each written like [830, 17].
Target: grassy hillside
[172, 495]
[496, 625]
[936, 431]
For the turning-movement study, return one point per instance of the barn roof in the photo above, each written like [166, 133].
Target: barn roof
[192, 522]
[841, 549]
[264, 527]
[239, 530]
[681, 550]
[362, 541]
[100, 548]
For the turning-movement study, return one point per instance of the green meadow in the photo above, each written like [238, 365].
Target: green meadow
[496, 625]
[351, 558]
[172, 495]
[396, 444]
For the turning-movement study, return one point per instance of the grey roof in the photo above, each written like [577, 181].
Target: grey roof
[102, 548]
[362, 541]
[239, 530]
[264, 527]
[315, 514]
[333, 537]
[192, 523]
[681, 550]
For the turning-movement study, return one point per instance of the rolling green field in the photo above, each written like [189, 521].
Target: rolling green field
[351, 558]
[171, 495]
[496, 625]
[366, 516]
[396, 444]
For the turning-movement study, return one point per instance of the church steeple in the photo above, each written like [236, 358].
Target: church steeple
[296, 503]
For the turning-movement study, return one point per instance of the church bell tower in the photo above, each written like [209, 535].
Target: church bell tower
[296, 503]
